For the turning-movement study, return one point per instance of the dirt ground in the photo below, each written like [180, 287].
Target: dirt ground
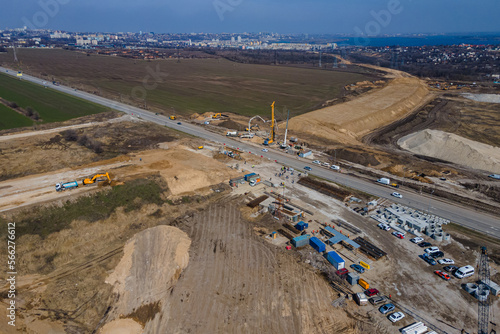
[35, 152]
[185, 170]
[348, 122]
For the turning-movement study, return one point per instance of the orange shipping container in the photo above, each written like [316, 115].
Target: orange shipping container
[363, 284]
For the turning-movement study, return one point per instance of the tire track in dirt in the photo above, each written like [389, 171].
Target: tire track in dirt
[237, 283]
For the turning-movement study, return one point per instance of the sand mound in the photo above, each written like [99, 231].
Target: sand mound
[122, 326]
[490, 98]
[152, 262]
[453, 148]
[349, 121]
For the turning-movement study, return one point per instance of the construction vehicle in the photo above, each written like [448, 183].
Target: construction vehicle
[284, 145]
[218, 115]
[200, 147]
[172, 117]
[66, 185]
[97, 178]
[270, 140]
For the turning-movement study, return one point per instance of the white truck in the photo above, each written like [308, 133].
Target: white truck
[384, 180]
[232, 134]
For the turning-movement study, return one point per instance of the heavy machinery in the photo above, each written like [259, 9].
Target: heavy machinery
[66, 185]
[172, 117]
[218, 115]
[284, 144]
[270, 140]
[97, 178]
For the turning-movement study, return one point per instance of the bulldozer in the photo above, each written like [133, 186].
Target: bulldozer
[104, 178]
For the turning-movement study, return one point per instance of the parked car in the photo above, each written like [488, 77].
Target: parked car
[326, 164]
[377, 300]
[429, 259]
[308, 168]
[398, 195]
[425, 244]
[398, 235]
[335, 167]
[436, 255]
[396, 316]
[342, 272]
[358, 268]
[416, 240]
[384, 226]
[451, 269]
[265, 150]
[317, 162]
[432, 249]
[446, 261]
[384, 309]
[442, 274]
[371, 292]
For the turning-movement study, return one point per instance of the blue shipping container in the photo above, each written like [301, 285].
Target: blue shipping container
[305, 154]
[248, 176]
[301, 241]
[335, 260]
[301, 226]
[317, 244]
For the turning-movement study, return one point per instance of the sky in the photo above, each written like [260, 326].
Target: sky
[370, 17]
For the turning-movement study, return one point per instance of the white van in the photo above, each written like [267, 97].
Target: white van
[463, 272]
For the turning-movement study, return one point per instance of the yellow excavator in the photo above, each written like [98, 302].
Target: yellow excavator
[97, 178]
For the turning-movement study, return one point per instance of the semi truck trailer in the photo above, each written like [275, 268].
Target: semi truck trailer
[66, 185]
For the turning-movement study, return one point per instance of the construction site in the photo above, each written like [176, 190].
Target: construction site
[144, 227]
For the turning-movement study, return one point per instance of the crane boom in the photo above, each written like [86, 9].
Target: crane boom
[271, 138]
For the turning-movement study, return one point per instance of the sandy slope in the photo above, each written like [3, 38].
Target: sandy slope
[349, 121]
[489, 98]
[453, 148]
[152, 262]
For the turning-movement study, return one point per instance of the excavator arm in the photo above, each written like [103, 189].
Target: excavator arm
[95, 177]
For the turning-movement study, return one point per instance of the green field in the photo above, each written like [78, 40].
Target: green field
[9, 119]
[191, 85]
[52, 106]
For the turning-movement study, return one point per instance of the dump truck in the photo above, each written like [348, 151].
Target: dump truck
[66, 185]
[97, 178]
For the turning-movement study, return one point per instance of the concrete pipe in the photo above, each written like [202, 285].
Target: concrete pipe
[470, 288]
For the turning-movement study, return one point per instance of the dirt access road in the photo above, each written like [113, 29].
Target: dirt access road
[64, 128]
[40, 188]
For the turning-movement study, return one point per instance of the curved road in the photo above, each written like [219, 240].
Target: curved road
[461, 215]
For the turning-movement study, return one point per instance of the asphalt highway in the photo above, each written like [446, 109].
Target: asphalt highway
[461, 215]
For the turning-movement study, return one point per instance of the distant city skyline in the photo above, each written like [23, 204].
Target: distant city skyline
[358, 17]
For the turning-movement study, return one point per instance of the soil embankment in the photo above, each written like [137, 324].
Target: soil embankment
[348, 122]
[453, 148]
